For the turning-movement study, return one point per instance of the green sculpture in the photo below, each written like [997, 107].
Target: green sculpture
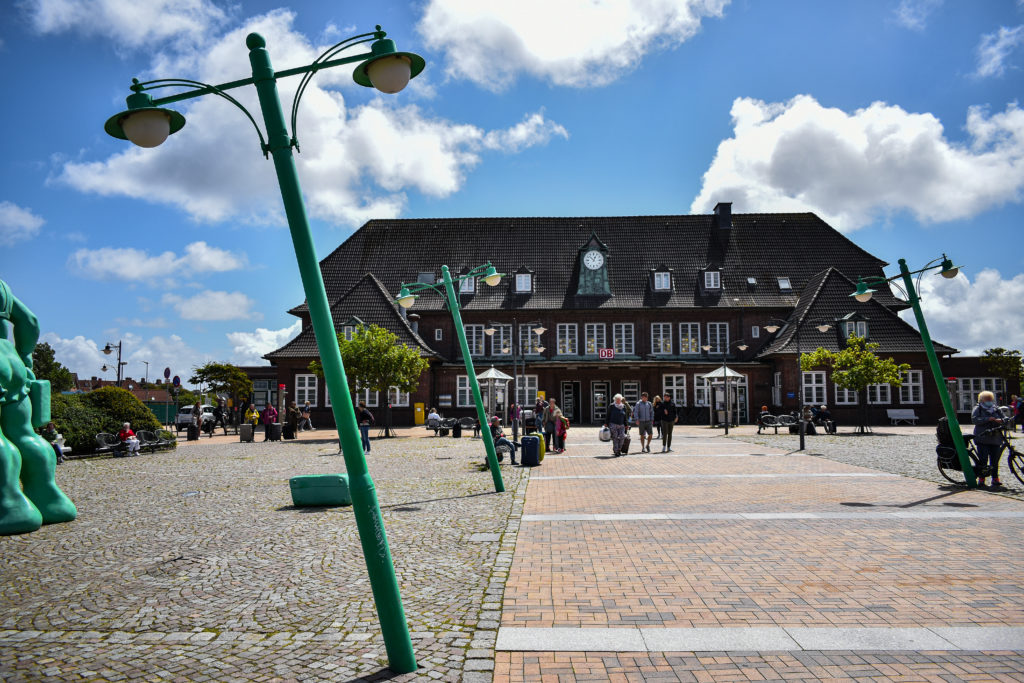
[29, 495]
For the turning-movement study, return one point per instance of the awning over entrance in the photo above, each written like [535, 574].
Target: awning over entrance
[492, 373]
[722, 372]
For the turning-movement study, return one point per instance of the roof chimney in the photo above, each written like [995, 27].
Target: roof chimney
[723, 215]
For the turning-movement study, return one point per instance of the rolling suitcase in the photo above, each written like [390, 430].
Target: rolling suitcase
[530, 455]
[245, 432]
[193, 433]
[625, 444]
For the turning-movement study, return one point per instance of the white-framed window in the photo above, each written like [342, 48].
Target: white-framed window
[593, 338]
[785, 284]
[348, 331]
[425, 278]
[529, 342]
[630, 392]
[777, 389]
[438, 334]
[689, 337]
[879, 394]
[814, 387]
[675, 386]
[398, 399]
[527, 390]
[463, 393]
[662, 281]
[912, 389]
[371, 397]
[970, 387]
[622, 337]
[524, 282]
[857, 327]
[845, 397]
[661, 338]
[501, 340]
[701, 391]
[567, 345]
[755, 332]
[327, 396]
[712, 279]
[718, 337]
[468, 286]
[305, 389]
[475, 339]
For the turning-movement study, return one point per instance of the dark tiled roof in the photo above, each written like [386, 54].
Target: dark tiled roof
[827, 298]
[370, 302]
[762, 246]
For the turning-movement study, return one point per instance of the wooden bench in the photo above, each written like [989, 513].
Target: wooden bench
[897, 415]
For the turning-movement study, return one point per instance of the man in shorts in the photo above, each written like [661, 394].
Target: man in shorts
[643, 413]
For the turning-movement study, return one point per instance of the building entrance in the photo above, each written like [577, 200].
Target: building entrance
[598, 401]
[571, 400]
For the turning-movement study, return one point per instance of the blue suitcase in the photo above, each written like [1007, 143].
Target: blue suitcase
[530, 451]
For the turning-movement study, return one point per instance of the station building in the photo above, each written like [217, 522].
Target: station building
[627, 305]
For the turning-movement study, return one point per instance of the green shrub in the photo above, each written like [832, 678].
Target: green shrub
[80, 417]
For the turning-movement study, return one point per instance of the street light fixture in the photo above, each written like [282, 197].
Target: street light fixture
[822, 326]
[146, 362]
[407, 296]
[948, 271]
[147, 123]
[109, 349]
[742, 346]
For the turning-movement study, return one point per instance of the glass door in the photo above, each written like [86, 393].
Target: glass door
[599, 401]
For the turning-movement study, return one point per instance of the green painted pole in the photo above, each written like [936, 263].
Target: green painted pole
[940, 380]
[492, 456]
[401, 658]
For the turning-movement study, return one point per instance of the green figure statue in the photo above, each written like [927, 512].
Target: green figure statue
[25, 456]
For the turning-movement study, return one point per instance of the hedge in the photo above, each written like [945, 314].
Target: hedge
[80, 417]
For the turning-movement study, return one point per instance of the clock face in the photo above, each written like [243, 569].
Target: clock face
[593, 259]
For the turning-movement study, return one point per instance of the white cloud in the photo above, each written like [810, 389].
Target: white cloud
[213, 305]
[913, 14]
[249, 347]
[973, 316]
[994, 48]
[17, 224]
[571, 42]
[118, 263]
[85, 357]
[853, 168]
[125, 22]
[355, 164]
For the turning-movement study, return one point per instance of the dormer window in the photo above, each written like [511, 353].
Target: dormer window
[662, 281]
[785, 285]
[712, 279]
[425, 278]
[751, 282]
[348, 331]
[468, 286]
[857, 327]
[524, 281]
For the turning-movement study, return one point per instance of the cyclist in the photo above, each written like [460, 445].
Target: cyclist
[986, 416]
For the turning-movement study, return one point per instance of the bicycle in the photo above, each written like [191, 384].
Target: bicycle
[949, 463]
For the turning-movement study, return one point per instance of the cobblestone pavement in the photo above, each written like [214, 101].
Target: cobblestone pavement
[910, 453]
[193, 565]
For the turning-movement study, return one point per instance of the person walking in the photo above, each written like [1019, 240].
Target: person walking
[549, 420]
[669, 414]
[985, 416]
[643, 413]
[616, 423]
[269, 418]
[307, 422]
[538, 414]
[218, 418]
[656, 405]
[293, 419]
[365, 419]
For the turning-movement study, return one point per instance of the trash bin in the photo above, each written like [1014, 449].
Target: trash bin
[275, 431]
[320, 489]
[457, 431]
[192, 433]
[245, 432]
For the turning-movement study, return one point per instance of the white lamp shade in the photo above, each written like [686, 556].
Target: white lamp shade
[389, 74]
[863, 298]
[492, 280]
[147, 128]
[950, 273]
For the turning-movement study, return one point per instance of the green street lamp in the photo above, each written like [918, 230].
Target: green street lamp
[147, 123]
[407, 297]
[949, 271]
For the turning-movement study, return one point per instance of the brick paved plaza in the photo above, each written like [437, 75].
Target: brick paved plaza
[724, 560]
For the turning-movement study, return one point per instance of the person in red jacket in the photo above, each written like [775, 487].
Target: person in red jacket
[127, 437]
[269, 418]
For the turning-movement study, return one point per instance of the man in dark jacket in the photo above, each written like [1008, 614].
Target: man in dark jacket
[666, 413]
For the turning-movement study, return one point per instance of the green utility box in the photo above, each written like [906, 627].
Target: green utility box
[320, 489]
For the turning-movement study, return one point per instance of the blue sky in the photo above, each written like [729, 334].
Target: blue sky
[897, 121]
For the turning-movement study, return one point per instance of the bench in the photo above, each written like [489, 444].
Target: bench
[468, 423]
[897, 415]
[109, 443]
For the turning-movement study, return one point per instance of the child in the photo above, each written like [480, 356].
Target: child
[562, 429]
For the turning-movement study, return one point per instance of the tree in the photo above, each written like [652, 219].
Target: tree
[855, 368]
[45, 366]
[1005, 364]
[223, 378]
[375, 360]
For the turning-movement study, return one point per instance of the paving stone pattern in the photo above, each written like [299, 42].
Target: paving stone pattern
[194, 565]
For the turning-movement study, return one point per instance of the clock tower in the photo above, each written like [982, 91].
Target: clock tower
[593, 268]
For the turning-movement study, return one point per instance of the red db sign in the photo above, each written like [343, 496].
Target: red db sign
[606, 354]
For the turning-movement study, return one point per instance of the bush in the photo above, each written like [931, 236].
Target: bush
[80, 417]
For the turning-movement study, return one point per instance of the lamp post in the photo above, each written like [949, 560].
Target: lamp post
[147, 123]
[948, 271]
[146, 362]
[822, 326]
[109, 349]
[742, 346]
[407, 297]
[514, 346]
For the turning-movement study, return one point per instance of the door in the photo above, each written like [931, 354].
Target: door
[571, 400]
[598, 401]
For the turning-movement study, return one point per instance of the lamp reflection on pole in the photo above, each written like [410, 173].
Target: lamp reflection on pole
[742, 346]
[147, 123]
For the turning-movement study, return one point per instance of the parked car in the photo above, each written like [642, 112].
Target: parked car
[184, 416]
